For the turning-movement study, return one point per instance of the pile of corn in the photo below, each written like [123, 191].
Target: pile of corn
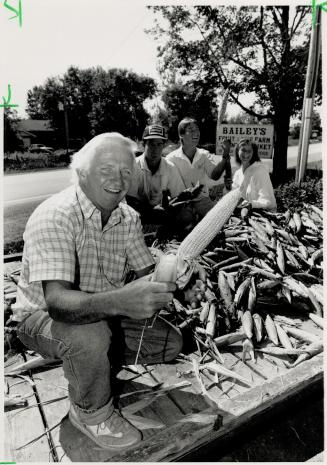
[256, 264]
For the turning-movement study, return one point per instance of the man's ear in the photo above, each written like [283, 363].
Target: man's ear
[81, 173]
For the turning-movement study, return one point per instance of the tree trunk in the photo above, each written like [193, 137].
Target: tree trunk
[281, 123]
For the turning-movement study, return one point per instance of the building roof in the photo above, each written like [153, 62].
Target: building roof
[31, 125]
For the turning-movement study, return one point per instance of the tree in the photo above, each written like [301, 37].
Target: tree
[11, 140]
[260, 50]
[95, 101]
[192, 101]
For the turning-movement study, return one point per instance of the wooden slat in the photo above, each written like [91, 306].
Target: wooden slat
[189, 399]
[51, 384]
[181, 438]
[21, 426]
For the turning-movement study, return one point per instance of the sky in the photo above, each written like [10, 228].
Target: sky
[56, 34]
[84, 33]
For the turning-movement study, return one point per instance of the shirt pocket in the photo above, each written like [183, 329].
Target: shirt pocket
[115, 268]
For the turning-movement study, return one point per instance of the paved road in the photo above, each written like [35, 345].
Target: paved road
[23, 192]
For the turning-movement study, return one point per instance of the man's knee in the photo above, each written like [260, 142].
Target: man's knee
[93, 338]
[174, 344]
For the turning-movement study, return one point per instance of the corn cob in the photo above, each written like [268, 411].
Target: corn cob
[247, 324]
[221, 370]
[318, 320]
[252, 295]
[268, 284]
[224, 290]
[280, 257]
[211, 321]
[204, 312]
[281, 351]
[313, 349]
[209, 226]
[286, 293]
[283, 337]
[241, 290]
[271, 330]
[257, 326]
[248, 348]
[297, 221]
[230, 338]
[301, 334]
[166, 269]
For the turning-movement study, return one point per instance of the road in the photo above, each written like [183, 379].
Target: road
[23, 192]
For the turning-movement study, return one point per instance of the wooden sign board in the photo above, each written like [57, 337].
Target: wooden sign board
[262, 135]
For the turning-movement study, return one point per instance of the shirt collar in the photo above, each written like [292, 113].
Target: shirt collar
[144, 165]
[181, 154]
[88, 208]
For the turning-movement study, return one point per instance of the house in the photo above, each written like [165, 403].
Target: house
[36, 131]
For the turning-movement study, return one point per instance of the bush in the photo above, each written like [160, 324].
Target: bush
[26, 161]
[292, 195]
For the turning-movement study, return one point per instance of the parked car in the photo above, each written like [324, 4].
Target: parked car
[40, 148]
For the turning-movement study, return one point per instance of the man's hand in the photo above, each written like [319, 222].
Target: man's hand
[226, 144]
[141, 298]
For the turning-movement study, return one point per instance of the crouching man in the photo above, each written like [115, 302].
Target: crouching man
[72, 301]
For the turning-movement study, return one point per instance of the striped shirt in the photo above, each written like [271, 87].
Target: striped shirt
[64, 240]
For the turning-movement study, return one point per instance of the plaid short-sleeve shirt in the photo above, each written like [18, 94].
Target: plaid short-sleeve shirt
[64, 240]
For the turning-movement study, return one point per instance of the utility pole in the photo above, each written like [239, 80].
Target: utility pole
[309, 95]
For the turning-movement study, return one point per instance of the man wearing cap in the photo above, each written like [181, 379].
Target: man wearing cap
[194, 164]
[155, 176]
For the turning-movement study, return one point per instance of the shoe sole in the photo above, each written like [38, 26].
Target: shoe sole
[93, 438]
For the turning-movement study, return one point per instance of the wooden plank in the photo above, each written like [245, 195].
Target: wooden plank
[23, 425]
[51, 385]
[162, 409]
[189, 399]
[181, 438]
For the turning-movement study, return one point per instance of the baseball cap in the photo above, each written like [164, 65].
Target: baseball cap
[154, 131]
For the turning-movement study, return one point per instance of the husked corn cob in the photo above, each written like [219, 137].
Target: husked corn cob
[166, 269]
[209, 226]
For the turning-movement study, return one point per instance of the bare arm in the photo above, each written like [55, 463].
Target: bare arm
[220, 168]
[138, 299]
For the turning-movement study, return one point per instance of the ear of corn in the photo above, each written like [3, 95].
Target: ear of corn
[166, 269]
[283, 337]
[209, 226]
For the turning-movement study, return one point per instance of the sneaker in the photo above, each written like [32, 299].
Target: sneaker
[113, 433]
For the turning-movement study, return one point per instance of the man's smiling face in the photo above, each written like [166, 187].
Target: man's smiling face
[108, 177]
[191, 136]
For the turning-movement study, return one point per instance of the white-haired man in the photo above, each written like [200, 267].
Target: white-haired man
[72, 301]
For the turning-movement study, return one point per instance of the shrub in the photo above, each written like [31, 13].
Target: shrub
[292, 195]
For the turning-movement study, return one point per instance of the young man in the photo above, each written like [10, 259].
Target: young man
[155, 177]
[193, 164]
[72, 301]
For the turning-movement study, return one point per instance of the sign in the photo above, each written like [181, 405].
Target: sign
[261, 134]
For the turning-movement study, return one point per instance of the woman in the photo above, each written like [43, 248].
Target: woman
[259, 192]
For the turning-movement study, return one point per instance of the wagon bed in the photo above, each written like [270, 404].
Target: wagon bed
[183, 419]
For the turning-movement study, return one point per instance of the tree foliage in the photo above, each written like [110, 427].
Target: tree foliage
[191, 101]
[259, 50]
[11, 139]
[96, 101]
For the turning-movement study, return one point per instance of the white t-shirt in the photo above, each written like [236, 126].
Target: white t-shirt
[257, 186]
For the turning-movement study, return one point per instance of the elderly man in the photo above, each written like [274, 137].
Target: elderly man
[72, 301]
[154, 178]
[193, 164]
